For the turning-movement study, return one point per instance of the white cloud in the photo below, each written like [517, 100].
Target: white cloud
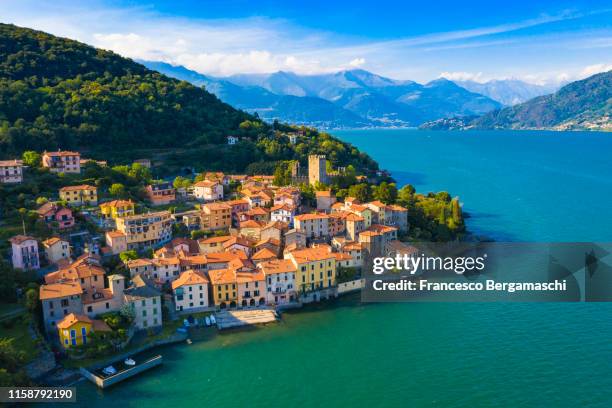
[357, 62]
[225, 46]
[596, 69]
[463, 76]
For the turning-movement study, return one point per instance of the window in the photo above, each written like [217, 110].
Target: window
[144, 313]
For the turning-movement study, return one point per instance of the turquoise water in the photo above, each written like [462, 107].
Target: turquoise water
[532, 186]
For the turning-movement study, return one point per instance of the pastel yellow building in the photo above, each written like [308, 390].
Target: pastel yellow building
[224, 287]
[316, 268]
[117, 208]
[75, 330]
[79, 195]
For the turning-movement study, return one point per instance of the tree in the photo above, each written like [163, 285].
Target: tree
[117, 190]
[406, 194]
[31, 158]
[181, 182]
[31, 299]
[385, 192]
[126, 256]
[360, 191]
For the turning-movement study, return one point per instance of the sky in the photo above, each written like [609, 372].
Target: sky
[543, 42]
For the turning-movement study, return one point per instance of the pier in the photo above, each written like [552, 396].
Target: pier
[124, 372]
[237, 318]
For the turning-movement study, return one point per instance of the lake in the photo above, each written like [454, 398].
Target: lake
[518, 186]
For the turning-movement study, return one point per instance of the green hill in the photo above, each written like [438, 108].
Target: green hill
[585, 104]
[56, 92]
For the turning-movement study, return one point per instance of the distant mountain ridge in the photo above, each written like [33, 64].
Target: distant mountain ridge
[584, 104]
[353, 98]
[579, 105]
[508, 91]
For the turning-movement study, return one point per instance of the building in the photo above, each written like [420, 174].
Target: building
[105, 300]
[56, 249]
[375, 240]
[62, 162]
[117, 208]
[232, 140]
[191, 291]
[224, 290]
[54, 214]
[317, 169]
[79, 195]
[259, 214]
[212, 244]
[145, 301]
[143, 162]
[295, 237]
[208, 190]
[59, 300]
[251, 229]
[283, 213]
[315, 268]
[251, 288]
[325, 199]
[313, 225]
[215, 216]
[11, 171]
[280, 281]
[354, 225]
[237, 207]
[116, 241]
[75, 329]
[24, 252]
[160, 194]
[87, 271]
[141, 231]
[399, 217]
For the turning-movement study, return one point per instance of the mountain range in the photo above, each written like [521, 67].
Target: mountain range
[508, 91]
[352, 98]
[579, 105]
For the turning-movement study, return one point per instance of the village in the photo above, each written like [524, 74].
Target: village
[263, 248]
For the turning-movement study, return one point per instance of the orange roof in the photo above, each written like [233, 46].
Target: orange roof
[263, 253]
[306, 217]
[236, 202]
[284, 206]
[52, 241]
[137, 263]
[77, 188]
[342, 256]
[223, 257]
[277, 266]
[270, 240]
[396, 207]
[217, 206]
[59, 290]
[251, 224]
[115, 234]
[354, 217]
[62, 153]
[279, 225]
[351, 200]
[326, 193]
[377, 203]
[214, 240]
[206, 184]
[257, 211]
[83, 267]
[20, 239]
[312, 254]
[11, 163]
[222, 276]
[117, 203]
[243, 277]
[190, 277]
[70, 319]
[237, 240]
[359, 207]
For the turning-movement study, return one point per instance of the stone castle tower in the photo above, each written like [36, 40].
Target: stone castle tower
[317, 170]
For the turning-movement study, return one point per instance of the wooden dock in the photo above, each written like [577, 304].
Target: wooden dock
[227, 319]
[124, 372]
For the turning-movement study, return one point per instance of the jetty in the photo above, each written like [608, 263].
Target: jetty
[227, 319]
[123, 371]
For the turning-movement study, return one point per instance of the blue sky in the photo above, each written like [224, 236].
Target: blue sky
[537, 41]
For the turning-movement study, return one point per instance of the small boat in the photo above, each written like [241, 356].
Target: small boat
[212, 319]
[186, 323]
[189, 341]
[110, 370]
[129, 362]
[207, 319]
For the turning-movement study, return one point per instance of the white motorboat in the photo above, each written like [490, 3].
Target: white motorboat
[207, 320]
[212, 319]
[129, 362]
[110, 370]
